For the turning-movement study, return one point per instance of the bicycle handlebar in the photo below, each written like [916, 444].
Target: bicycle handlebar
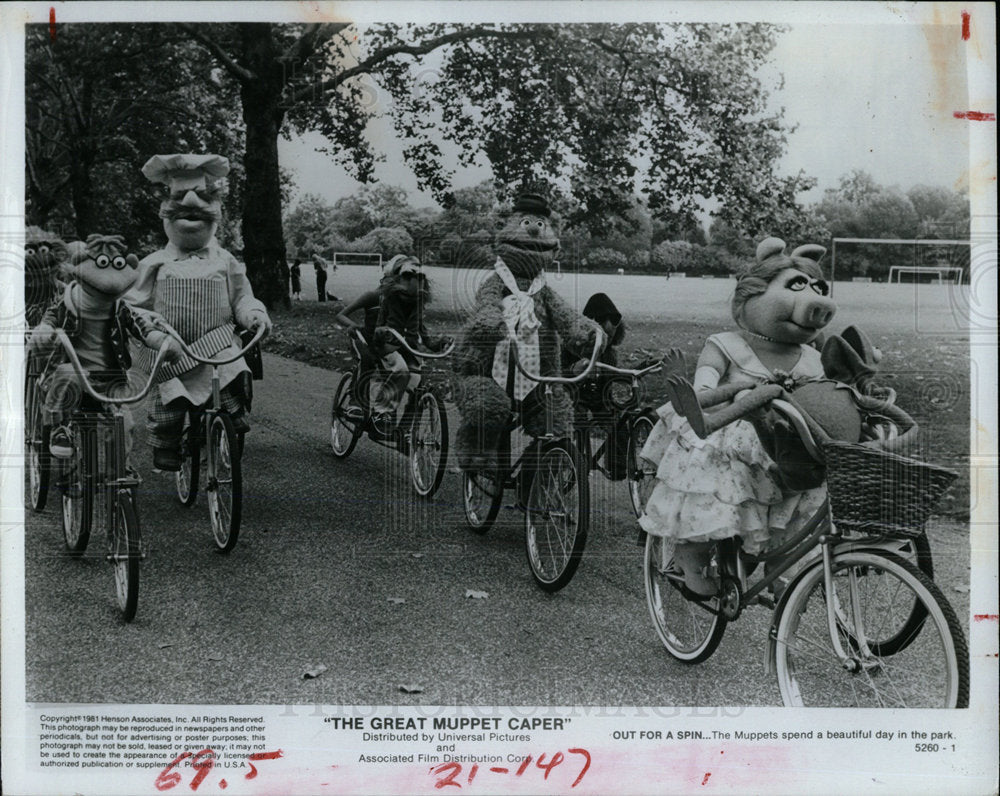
[163, 326]
[598, 344]
[654, 368]
[85, 380]
[421, 354]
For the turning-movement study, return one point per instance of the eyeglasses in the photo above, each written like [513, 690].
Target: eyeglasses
[204, 194]
[103, 261]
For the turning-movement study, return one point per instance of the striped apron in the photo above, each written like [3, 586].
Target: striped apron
[199, 310]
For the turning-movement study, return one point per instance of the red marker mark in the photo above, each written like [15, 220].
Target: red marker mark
[986, 617]
[976, 116]
[706, 777]
[259, 756]
[223, 784]
[966, 17]
[499, 770]
[52, 23]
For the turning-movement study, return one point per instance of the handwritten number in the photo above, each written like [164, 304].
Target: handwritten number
[456, 769]
[203, 762]
[259, 756]
[586, 764]
[557, 758]
[523, 767]
[168, 778]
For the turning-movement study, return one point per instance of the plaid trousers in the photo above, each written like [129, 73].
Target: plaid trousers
[165, 422]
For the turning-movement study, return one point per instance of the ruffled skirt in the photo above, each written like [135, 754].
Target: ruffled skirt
[719, 487]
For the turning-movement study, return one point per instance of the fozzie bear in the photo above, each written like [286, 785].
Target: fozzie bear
[515, 303]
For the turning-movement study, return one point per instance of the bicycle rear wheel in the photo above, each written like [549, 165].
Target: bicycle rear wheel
[345, 431]
[641, 473]
[428, 443]
[871, 590]
[224, 487]
[557, 515]
[125, 552]
[690, 631]
[186, 479]
[482, 495]
[36, 438]
[79, 473]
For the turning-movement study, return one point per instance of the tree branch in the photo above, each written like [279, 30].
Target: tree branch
[241, 73]
[383, 55]
[309, 42]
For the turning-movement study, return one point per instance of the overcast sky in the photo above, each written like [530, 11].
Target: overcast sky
[877, 97]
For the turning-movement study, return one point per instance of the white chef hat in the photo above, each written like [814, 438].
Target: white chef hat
[187, 169]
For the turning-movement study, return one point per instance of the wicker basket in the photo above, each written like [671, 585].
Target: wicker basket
[881, 494]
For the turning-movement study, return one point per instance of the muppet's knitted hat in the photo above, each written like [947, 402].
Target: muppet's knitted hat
[532, 203]
[164, 168]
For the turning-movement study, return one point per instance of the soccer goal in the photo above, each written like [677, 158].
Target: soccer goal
[357, 258]
[929, 257]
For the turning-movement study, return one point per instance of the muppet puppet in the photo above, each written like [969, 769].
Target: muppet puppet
[98, 323]
[202, 291]
[724, 484]
[44, 253]
[514, 302]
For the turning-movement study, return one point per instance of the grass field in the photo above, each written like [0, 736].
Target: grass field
[922, 331]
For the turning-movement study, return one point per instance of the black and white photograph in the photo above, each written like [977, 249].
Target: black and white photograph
[506, 397]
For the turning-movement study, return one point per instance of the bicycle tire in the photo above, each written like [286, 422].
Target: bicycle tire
[224, 483]
[482, 496]
[937, 658]
[554, 554]
[641, 474]
[344, 434]
[427, 469]
[186, 479]
[688, 630]
[79, 474]
[125, 553]
[918, 553]
[36, 437]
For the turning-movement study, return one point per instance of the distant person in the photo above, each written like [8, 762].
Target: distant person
[319, 264]
[295, 274]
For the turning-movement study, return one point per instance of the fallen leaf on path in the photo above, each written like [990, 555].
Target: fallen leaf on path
[397, 600]
[476, 595]
[961, 589]
[411, 689]
[165, 644]
[215, 656]
[417, 555]
[316, 671]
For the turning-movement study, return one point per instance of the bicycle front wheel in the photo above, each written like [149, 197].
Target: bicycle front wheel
[79, 473]
[690, 631]
[428, 443]
[641, 473]
[186, 479]
[36, 437]
[224, 487]
[345, 429]
[871, 590]
[125, 552]
[557, 515]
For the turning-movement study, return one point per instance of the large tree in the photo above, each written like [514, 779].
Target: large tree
[594, 112]
[99, 100]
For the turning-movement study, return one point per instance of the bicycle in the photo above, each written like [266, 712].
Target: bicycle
[621, 413]
[98, 485]
[36, 436]
[210, 426]
[551, 476]
[857, 624]
[421, 433]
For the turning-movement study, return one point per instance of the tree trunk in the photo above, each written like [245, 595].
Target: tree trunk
[263, 237]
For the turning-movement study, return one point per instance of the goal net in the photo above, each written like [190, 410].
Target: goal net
[357, 258]
[901, 259]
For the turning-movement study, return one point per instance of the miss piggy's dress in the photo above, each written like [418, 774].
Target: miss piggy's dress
[720, 487]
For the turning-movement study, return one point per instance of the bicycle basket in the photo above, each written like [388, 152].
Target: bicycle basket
[878, 493]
